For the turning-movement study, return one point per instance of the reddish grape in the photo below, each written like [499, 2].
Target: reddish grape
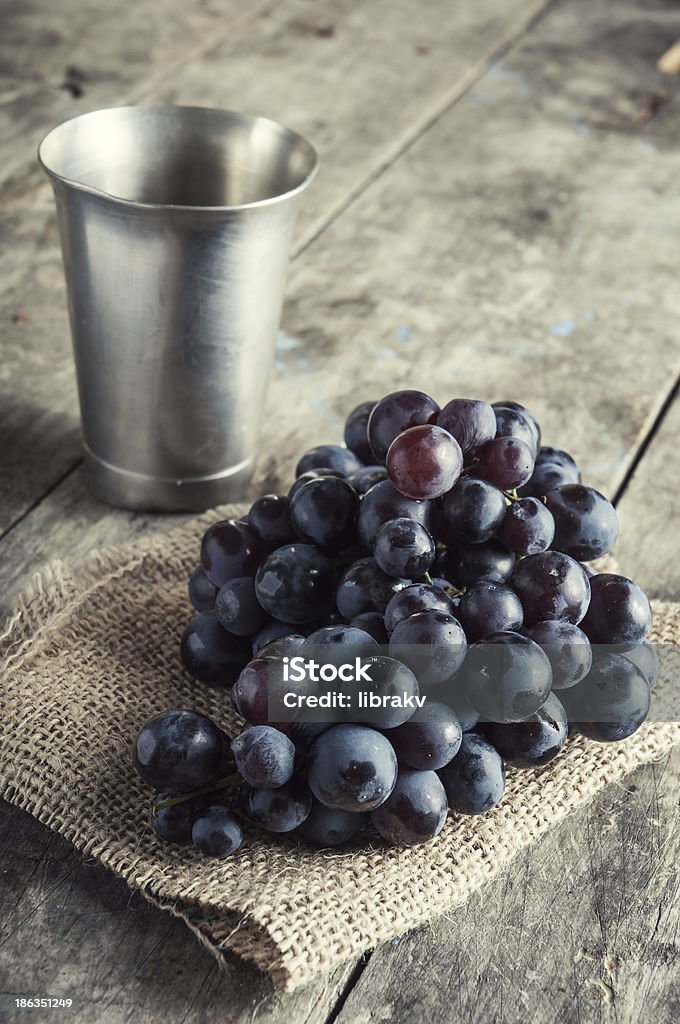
[396, 413]
[506, 462]
[424, 462]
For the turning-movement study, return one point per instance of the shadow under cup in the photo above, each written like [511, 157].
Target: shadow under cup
[176, 225]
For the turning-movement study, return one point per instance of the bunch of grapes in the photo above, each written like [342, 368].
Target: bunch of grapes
[443, 549]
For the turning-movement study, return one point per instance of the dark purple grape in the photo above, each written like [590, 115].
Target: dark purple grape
[174, 823]
[281, 646]
[264, 757]
[335, 645]
[471, 422]
[430, 738]
[473, 510]
[463, 709]
[366, 588]
[237, 608]
[546, 478]
[372, 623]
[296, 583]
[424, 462]
[466, 564]
[527, 528]
[323, 512]
[217, 832]
[313, 474]
[511, 422]
[488, 607]
[551, 585]
[613, 700]
[258, 692]
[646, 659]
[558, 457]
[278, 810]
[210, 653]
[533, 742]
[404, 549]
[230, 549]
[389, 679]
[419, 597]
[202, 592]
[586, 524]
[432, 644]
[568, 650]
[329, 456]
[474, 780]
[506, 677]
[382, 503]
[179, 750]
[522, 410]
[327, 827]
[619, 612]
[275, 630]
[395, 413]
[269, 517]
[414, 812]
[356, 431]
[366, 478]
[506, 462]
[351, 768]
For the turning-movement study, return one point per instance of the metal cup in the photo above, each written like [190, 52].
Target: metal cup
[176, 225]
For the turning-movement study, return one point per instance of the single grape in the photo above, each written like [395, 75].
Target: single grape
[174, 823]
[404, 549]
[396, 413]
[323, 512]
[527, 528]
[259, 689]
[558, 457]
[366, 588]
[275, 630]
[264, 757]
[488, 607]
[424, 462]
[217, 832]
[210, 653]
[372, 623]
[415, 811]
[586, 524]
[507, 462]
[179, 750]
[430, 738]
[269, 517]
[567, 648]
[328, 827]
[471, 422]
[296, 583]
[313, 474]
[382, 503]
[513, 423]
[237, 608]
[329, 456]
[336, 645]
[351, 768]
[389, 679]
[230, 549]
[646, 659]
[546, 477]
[202, 592]
[473, 510]
[366, 478]
[506, 677]
[613, 700]
[551, 585]
[281, 646]
[619, 612]
[533, 742]
[278, 810]
[432, 644]
[474, 780]
[466, 564]
[419, 597]
[356, 431]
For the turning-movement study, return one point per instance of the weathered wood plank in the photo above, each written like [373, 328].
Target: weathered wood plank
[354, 116]
[71, 929]
[584, 928]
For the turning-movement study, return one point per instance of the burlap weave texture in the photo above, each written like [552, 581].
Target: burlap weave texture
[91, 653]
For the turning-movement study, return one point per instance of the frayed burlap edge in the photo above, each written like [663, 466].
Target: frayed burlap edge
[368, 894]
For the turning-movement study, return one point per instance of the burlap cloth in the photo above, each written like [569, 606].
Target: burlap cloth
[92, 652]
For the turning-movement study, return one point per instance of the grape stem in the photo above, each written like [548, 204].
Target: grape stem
[512, 495]
[227, 782]
[427, 578]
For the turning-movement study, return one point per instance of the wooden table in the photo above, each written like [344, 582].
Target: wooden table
[497, 216]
